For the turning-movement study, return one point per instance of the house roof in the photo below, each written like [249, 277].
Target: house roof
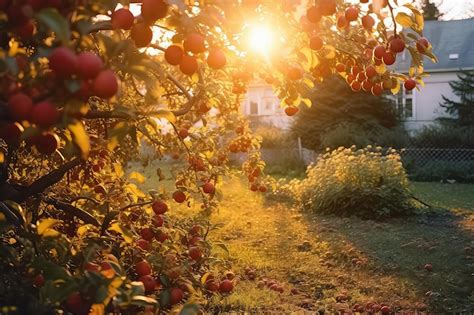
[449, 38]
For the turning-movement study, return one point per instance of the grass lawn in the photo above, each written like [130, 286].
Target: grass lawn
[335, 263]
[451, 196]
[346, 261]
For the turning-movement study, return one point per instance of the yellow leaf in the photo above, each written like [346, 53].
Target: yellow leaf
[204, 277]
[381, 69]
[112, 144]
[404, 19]
[329, 52]
[137, 176]
[118, 170]
[2, 157]
[82, 230]
[80, 137]
[97, 309]
[166, 114]
[420, 21]
[45, 227]
[395, 89]
[307, 102]
[309, 83]
[135, 191]
[115, 227]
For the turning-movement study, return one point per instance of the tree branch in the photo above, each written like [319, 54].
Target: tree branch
[48, 180]
[393, 18]
[19, 193]
[70, 209]
[97, 114]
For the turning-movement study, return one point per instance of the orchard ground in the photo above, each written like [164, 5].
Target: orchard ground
[336, 263]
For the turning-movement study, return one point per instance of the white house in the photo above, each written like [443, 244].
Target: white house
[453, 44]
[262, 106]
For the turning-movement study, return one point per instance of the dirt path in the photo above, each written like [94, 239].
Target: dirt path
[336, 263]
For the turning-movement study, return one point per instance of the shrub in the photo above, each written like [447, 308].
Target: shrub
[289, 165]
[273, 137]
[444, 170]
[334, 104]
[367, 182]
[348, 134]
[445, 136]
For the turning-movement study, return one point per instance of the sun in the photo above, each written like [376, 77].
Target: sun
[261, 39]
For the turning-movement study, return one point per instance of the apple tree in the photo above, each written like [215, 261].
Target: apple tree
[84, 83]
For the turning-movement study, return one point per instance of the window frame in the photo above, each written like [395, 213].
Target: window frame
[404, 96]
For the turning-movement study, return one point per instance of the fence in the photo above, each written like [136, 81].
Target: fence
[439, 164]
[421, 163]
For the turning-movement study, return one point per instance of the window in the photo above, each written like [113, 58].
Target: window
[269, 105]
[253, 108]
[404, 105]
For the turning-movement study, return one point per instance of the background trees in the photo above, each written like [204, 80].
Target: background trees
[338, 117]
[463, 108]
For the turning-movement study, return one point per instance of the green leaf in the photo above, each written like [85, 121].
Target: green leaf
[189, 309]
[55, 22]
[73, 86]
[165, 298]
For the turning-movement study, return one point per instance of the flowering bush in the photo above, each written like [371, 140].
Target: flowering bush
[365, 182]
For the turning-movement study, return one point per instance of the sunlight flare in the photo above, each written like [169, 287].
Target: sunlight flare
[261, 39]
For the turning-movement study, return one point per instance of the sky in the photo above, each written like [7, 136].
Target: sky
[455, 9]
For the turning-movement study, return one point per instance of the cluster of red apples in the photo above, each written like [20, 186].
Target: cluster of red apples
[183, 53]
[364, 73]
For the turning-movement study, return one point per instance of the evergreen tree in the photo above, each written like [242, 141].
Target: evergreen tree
[463, 108]
[430, 10]
[335, 106]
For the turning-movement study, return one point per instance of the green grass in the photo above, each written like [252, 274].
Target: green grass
[451, 196]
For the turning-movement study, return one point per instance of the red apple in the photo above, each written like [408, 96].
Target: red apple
[45, 114]
[143, 268]
[20, 106]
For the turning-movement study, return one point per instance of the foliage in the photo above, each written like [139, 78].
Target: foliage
[290, 165]
[463, 108]
[273, 137]
[439, 170]
[430, 11]
[444, 136]
[367, 183]
[348, 134]
[84, 82]
[337, 110]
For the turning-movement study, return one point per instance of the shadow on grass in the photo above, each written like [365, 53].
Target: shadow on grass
[400, 248]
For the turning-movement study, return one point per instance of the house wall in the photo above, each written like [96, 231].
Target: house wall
[261, 105]
[427, 101]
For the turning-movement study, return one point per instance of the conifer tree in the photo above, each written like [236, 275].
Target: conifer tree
[463, 107]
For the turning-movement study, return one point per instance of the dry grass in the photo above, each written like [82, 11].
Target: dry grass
[268, 236]
[347, 257]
